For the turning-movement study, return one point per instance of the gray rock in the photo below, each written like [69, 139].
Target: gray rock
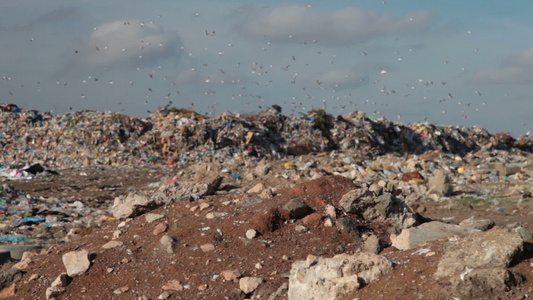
[10, 276]
[132, 205]
[331, 278]
[54, 291]
[427, 232]
[384, 204]
[168, 243]
[373, 245]
[347, 224]
[387, 207]
[76, 262]
[356, 201]
[485, 283]
[483, 224]
[150, 217]
[524, 233]
[249, 284]
[439, 183]
[298, 209]
[495, 248]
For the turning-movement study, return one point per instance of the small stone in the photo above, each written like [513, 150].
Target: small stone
[328, 223]
[164, 295]
[204, 206]
[109, 270]
[208, 247]
[373, 245]
[33, 277]
[116, 234]
[112, 244]
[76, 262]
[53, 292]
[61, 280]
[250, 234]
[151, 217]
[173, 285]
[168, 243]
[249, 284]
[258, 266]
[214, 215]
[203, 287]
[160, 228]
[524, 233]
[256, 189]
[230, 275]
[331, 212]
[300, 228]
[285, 257]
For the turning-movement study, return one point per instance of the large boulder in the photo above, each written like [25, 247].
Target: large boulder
[477, 264]
[495, 248]
[331, 278]
[372, 205]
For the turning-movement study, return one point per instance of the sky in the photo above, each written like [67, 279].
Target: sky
[446, 62]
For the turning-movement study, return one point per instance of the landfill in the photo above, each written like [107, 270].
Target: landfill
[244, 148]
[63, 176]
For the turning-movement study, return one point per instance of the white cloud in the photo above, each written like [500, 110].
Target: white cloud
[517, 69]
[126, 42]
[299, 23]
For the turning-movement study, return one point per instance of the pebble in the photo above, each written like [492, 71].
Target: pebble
[250, 234]
[230, 275]
[112, 244]
[173, 285]
[160, 228]
[168, 243]
[213, 215]
[151, 217]
[207, 247]
[249, 284]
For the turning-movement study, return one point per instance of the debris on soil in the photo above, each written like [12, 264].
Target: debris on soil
[178, 206]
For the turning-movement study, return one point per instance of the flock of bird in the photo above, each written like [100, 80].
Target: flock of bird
[267, 74]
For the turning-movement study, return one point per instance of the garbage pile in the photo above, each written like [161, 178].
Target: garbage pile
[179, 136]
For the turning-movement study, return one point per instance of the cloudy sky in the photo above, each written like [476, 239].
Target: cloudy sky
[446, 62]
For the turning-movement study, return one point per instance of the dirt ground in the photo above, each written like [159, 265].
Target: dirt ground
[141, 267]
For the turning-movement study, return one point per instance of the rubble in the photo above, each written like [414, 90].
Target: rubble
[332, 278]
[244, 198]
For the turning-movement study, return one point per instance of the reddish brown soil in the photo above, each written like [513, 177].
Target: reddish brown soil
[141, 267]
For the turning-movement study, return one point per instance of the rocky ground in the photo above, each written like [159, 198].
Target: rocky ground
[319, 226]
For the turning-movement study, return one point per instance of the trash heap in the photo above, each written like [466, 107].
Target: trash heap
[179, 136]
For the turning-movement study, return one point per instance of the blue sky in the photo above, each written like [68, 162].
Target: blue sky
[447, 62]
